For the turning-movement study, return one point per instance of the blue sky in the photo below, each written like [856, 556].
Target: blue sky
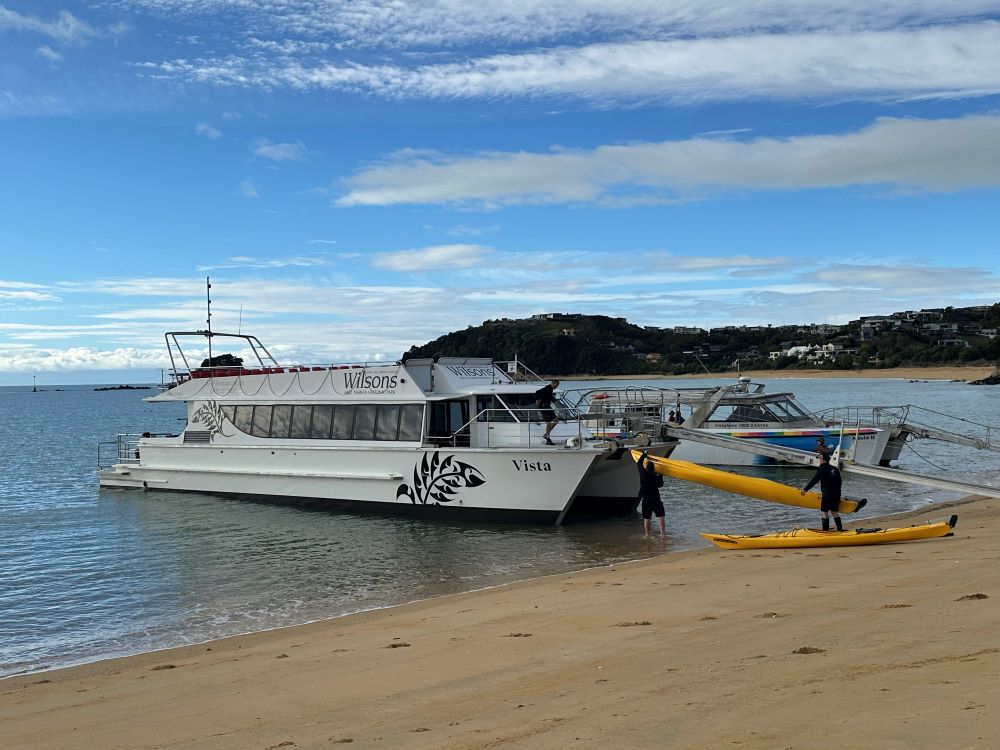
[361, 176]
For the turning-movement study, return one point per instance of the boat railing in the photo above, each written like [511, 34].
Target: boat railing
[124, 449]
[518, 371]
[585, 430]
[910, 422]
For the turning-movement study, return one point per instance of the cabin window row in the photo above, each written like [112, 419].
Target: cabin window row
[329, 421]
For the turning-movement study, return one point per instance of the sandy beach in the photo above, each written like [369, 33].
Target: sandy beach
[891, 646]
[972, 372]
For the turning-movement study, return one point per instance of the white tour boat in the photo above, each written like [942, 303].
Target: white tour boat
[456, 437]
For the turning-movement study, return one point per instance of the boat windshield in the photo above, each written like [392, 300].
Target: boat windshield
[787, 411]
[741, 413]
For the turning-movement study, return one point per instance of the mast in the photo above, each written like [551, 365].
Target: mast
[208, 298]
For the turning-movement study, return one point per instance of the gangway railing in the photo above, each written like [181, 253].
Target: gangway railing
[124, 449]
[909, 422]
[805, 458]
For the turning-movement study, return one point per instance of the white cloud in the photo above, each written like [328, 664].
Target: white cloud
[49, 54]
[248, 189]
[459, 23]
[280, 151]
[932, 62]
[208, 130]
[243, 261]
[65, 27]
[27, 296]
[921, 155]
[34, 359]
[338, 320]
[433, 258]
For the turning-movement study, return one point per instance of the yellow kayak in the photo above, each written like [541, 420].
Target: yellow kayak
[817, 538]
[762, 489]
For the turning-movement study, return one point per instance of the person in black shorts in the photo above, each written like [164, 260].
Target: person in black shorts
[830, 481]
[543, 400]
[649, 493]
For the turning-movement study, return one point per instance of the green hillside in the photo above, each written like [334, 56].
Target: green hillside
[571, 344]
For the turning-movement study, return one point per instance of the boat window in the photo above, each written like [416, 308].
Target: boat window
[321, 421]
[410, 421]
[387, 422]
[364, 422]
[281, 422]
[492, 409]
[244, 418]
[301, 416]
[339, 422]
[261, 421]
[788, 411]
[343, 422]
[741, 413]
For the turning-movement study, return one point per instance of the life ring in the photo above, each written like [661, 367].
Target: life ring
[599, 396]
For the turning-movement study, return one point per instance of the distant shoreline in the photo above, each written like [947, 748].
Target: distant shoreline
[973, 372]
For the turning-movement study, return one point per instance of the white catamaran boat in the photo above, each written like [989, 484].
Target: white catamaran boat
[456, 437]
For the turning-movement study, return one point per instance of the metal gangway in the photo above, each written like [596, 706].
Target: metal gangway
[846, 465]
[910, 422]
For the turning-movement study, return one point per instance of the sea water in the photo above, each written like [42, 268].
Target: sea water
[87, 574]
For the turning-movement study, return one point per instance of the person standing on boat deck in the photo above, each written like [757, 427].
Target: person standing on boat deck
[821, 447]
[543, 400]
[829, 480]
[649, 493]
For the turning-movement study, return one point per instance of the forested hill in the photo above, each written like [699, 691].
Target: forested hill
[570, 344]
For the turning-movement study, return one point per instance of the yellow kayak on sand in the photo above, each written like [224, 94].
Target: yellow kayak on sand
[762, 489]
[817, 538]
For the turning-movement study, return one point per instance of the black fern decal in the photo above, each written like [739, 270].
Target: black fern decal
[438, 480]
[212, 416]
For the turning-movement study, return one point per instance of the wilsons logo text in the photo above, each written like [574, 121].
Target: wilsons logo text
[471, 372]
[364, 381]
[522, 465]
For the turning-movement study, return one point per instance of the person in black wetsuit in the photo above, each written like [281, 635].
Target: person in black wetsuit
[543, 400]
[829, 480]
[649, 493]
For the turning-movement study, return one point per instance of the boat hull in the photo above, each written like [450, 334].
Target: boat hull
[868, 447]
[542, 484]
[755, 487]
[817, 538]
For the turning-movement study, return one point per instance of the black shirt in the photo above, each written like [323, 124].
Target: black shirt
[829, 480]
[649, 480]
[544, 396]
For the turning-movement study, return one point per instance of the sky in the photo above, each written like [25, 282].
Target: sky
[361, 176]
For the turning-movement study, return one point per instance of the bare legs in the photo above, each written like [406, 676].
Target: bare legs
[647, 525]
[549, 426]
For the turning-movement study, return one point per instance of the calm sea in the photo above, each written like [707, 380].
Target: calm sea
[88, 574]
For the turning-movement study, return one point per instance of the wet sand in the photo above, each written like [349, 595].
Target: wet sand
[891, 646]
